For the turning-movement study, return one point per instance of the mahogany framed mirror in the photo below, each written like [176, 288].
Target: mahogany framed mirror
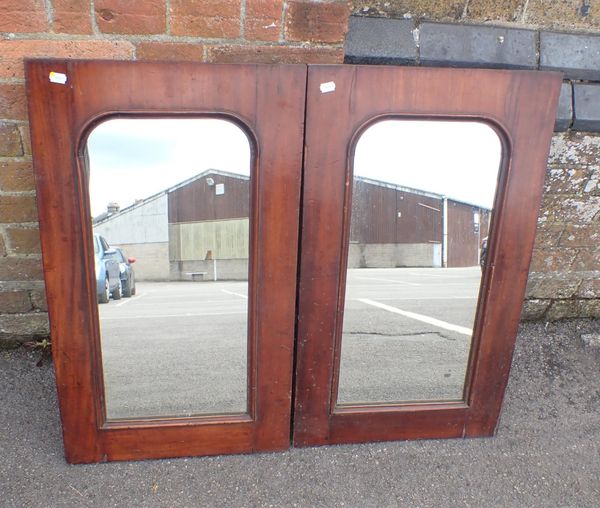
[200, 166]
[243, 257]
[418, 224]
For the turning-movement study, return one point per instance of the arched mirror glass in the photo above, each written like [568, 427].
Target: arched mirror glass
[170, 206]
[421, 207]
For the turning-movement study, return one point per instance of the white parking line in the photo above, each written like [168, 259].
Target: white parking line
[137, 297]
[234, 293]
[419, 317]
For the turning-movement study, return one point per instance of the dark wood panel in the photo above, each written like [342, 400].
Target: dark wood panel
[515, 104]
[384, 424]
[198, 201]
[384, 214]
[463, 237]
[268, 103]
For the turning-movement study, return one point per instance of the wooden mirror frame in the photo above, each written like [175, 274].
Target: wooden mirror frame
[268, 102]
[274, 103]
[520, 106]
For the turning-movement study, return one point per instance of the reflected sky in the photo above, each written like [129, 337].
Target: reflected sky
[459, 160]
[135, 158]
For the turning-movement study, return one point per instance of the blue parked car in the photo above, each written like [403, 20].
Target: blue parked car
[108, 274]
[125, 270]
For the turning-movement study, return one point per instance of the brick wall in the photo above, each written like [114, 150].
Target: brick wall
[554, 14]
[263, 31]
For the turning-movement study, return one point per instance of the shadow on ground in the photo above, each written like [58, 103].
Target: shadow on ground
[546, 453]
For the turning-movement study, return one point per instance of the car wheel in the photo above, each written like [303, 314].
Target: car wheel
[127, 288]
[116, 294]
[104, 296]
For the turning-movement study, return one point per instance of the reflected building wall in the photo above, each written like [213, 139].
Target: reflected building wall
[396, 226]
[204, 220]
[188, 228]
[208, 223]
[142, 232]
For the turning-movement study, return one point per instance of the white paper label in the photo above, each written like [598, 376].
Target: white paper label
[327, 87]
[57, 77]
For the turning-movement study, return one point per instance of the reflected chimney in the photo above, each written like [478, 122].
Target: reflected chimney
[112, 208]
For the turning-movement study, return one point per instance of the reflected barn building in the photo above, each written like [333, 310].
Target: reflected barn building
[396, 226]
[196, 229]
[199, 229]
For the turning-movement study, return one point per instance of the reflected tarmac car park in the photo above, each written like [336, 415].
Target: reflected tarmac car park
[180, 347]
[177, 348]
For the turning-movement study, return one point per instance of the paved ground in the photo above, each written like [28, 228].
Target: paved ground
[176, 349]
[546, 453]
[180, 348]
[407, 333]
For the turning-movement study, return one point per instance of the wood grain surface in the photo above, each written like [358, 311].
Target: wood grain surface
[268, 103]
[520, 106]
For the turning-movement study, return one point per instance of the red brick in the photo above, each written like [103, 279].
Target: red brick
[13, 103]
[170, 51]
[25, 139]
[569, 209]
[548, 235]
[274, 54]
[263, 20]
[38, 299]
[10, 140]
[14, 51]
[21, 269]
[566, 180]
[581, 235]
[587, 260]
[18, 209]
[23, 16]
[317, 22]
[553, 259]
[206, 18]
[13, 302]
[131, 16]
[72, 17]
[16, 176]
[24, 240]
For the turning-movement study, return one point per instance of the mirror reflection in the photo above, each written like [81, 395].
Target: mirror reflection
[170, 204]
[422, 202]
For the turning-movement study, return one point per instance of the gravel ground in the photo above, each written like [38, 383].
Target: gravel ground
[546, 453]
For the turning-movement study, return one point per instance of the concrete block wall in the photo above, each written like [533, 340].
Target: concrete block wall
[226, 269]
[534, 35]
[260, 31]
[393, 255]
[152, 259]
[374, 40]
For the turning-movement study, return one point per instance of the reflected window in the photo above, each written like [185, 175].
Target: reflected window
[421, 206]
[170, 206]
